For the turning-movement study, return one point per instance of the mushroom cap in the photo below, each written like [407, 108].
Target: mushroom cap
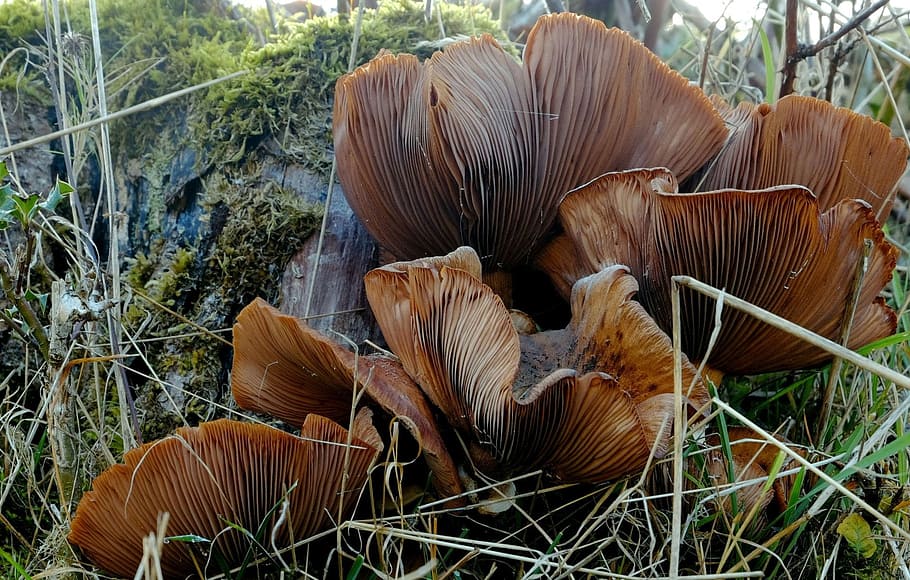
[835, 152]
[587, 403]
[473, 148]
[772, 248]
[284, 368]
[217, 476]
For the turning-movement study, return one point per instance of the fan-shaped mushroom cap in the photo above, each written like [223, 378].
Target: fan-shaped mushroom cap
[771, 247]
[217, 476]
[587, 403]
[288, 370]
[836, 153]
[752, 458]
[473, 148]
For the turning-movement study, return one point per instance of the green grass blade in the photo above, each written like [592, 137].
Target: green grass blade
[770, 69]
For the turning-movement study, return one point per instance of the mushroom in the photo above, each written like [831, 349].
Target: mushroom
[750, 457]
[835, 152]
[286, 369]
[473, 148]
[217, 479]
[772, 247]
[586, 403]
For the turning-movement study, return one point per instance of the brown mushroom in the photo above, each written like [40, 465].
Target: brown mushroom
[473, 148]
[288, 370]
[835, 152]
[750, 456]
[220, 477]
[771, 247]
[587, 403]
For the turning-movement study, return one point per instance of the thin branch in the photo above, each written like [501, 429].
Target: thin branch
[792, 48]
[24, 308]
[144, 106]
[859, 18]
[797, 53]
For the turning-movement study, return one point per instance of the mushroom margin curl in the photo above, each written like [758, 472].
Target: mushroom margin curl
[473, 148]
[287, 370]
[771, 247]
[587, 403]
[219, 475]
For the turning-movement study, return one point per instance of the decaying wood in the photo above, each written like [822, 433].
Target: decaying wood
[339, 302]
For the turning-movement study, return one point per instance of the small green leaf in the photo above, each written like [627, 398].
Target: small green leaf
[25, 208]
[40, 298]
[60, 190]
[188, 539]
[775, 469]
[858, 533]
[6, 205]
[3, 171]
[355, 568]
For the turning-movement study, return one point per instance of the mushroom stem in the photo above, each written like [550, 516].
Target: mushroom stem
[501, 283]
[709, 373]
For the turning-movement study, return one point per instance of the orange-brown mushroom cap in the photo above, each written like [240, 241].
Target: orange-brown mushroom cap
[771, 247]
[752, 457]
[217, 476]
[587, 403]
[286, 369]
[835, 152]
[473, 148]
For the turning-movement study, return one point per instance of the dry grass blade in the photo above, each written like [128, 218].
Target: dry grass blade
[828, 345]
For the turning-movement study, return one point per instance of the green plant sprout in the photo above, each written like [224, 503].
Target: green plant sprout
[23, 209]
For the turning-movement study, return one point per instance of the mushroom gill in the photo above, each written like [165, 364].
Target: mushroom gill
[284, 368]
[586, 403]
[220, 477]
[473, 148]
[772, 247]
[835, 152]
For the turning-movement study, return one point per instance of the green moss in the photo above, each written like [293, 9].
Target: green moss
[263, 226]
[291, 93]
[252, 232]
[159, 46]
[19, 20]
[162, 278]
[151, 48]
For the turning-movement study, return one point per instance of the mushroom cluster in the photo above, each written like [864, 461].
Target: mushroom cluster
[472, 148]
[571, 163]
[778, 203]
[470, 164]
